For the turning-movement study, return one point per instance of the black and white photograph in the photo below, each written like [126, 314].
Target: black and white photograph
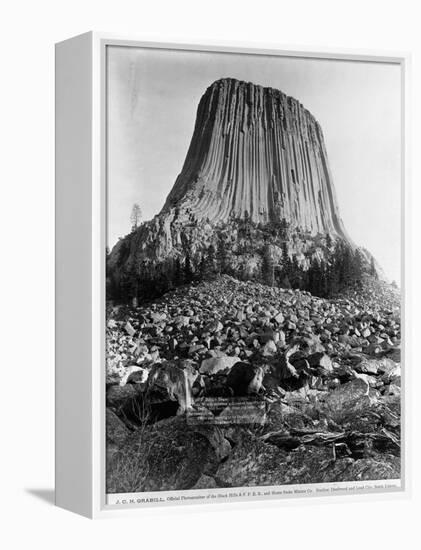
[253, 271]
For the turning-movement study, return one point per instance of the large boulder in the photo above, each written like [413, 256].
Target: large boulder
[310, 344]
[321, 362]
[175, 381]
[135, 375]
[269, 348]
[368, 366]
[116, 430]
[245, 379]
[119, 396]
[252, 462]
[129, 329]
[281, 415]
[205, 482]
[348, 395]
[214, 365]
[167, 456]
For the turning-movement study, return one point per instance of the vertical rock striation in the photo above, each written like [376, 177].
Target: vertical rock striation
[259, 153]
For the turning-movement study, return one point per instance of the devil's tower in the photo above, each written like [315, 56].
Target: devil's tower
[257, 152]
[255, 185]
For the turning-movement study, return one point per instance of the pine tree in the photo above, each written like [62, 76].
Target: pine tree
[289, 274]
[207, 266]
[211, 259]
[324, 280]
[343, 265]
[345, 269]
[373, 270]
[358, 267]
[283, 229]
[315, 278]
[188, 272]
[328, 241]
[268, 269]
[128, 284]
[332, 276]
[178, 274]
[135, 216]
[202, 268]
[335, 270]
[222, 257]
[162, 283]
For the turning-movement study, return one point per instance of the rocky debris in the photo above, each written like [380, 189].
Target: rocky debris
[258, 336]
[319, 401]
[253, 462]
[384, 467]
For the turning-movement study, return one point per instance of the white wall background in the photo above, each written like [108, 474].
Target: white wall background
[28, 32]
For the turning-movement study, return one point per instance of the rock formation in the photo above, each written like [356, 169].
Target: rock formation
[259, 153]
[255, 187]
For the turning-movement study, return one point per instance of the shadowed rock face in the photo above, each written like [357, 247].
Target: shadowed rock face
[259, 153]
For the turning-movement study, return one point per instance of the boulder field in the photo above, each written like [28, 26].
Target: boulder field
[229, 383]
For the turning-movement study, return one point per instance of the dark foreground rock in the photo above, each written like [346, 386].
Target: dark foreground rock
[168, 455]
[255, 463]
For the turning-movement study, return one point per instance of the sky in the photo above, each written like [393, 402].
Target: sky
[153, 96]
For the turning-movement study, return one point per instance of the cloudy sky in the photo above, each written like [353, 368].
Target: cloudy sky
[152, 101]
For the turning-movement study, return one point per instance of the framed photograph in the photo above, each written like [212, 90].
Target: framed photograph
[230, 274]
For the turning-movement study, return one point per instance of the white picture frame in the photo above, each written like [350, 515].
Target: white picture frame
[80, 272]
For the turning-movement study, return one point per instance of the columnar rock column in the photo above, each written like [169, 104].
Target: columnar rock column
[259, 153]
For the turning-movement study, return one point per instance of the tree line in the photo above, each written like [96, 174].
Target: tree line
[339, 267]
